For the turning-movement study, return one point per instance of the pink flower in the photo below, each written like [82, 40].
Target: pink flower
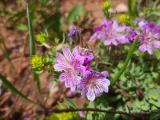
[100, 31]
[73, 31]
[72, 64]
[71, 79]
[111, 33]
[149, 37]
[116, 34]
[94, 84]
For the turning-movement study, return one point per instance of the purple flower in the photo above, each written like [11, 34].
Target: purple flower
[151, 26]
[100, 31]
[81, 114]
[73, 31]
[72, 65]
[116, 34]
[157, 30]
[71, 79]
[84, 55]
[141, 23]
[111, 33]
[149, 34]
[132, 33]
[67, 61]
[149, 38]
[94, 84]
[77, 73]
[154, 28]
[149, 42]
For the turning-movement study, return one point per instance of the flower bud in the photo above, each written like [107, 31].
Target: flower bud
[37, 62]
[42, 37]
[106, 5]
[124, 19]
[73, 31]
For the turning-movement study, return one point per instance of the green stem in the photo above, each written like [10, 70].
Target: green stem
[32, 47]
[31, 36]
[106, 14]
[129, 55]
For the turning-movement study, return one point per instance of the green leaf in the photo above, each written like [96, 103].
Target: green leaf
[9, 85]
[153, 97]
[155, 115]
[157, 54]
[31, 36]
[21, 27]
[132, 5]
[138, 106]
[0, 87]
[32, 45]
[53, 22]
[75, 13]
[71, 103]
[52, 117]
[126, 62]
[6, 53]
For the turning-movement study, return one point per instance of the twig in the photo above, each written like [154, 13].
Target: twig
[97, 110]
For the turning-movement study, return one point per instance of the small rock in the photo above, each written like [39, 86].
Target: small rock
[121, 8]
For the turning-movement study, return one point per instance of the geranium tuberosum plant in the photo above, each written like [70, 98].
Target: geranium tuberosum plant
[114, 71]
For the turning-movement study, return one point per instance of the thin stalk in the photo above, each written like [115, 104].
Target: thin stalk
[31, 36]
[98, 110]
[106, 14]
[129, 55]
[6, 54]
[32, 45]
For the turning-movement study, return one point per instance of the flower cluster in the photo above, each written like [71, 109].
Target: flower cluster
[149, 36]
[77, 73]
[111, 33]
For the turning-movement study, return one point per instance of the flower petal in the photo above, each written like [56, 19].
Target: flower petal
[149, 49]
[68, 55]
[156, 44]
[71, 79]
[105, 85]
[59, 67]
[90, 95]
[115, 25]
[114, 42]
[60, 58]
[107, 42]
[143, 48]
[105, 73]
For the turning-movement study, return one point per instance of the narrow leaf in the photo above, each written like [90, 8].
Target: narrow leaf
[76, 12]
[30, 28]
[132, 6]
[32, 44]
[71, 103]
[9, 85]
[126, 62]
[6, 53]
